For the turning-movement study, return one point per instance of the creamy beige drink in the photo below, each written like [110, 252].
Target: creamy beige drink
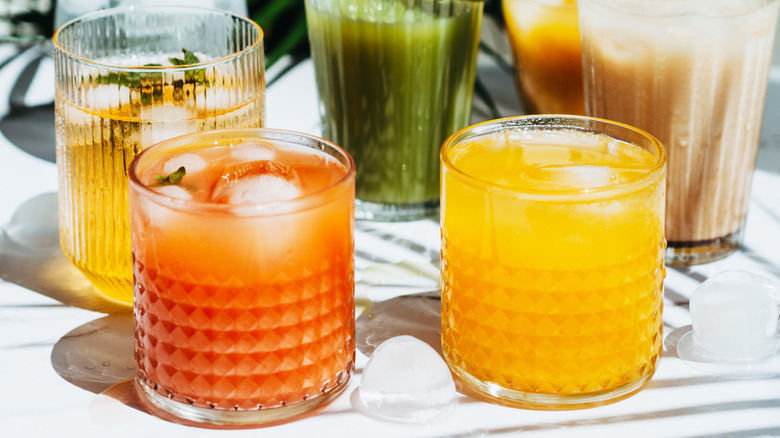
[694, 74]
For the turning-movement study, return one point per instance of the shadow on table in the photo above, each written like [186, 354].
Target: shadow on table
[32, 130]
[96, 355]
[30, 256]
[417, 315]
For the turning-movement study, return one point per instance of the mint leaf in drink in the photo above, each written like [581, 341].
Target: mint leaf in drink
[190, 76]
[137, 79]
[189, 59]
[170, 180]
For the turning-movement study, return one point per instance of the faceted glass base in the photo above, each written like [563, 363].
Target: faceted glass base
[373, 211]
[500, 395]
[695, 253]
[238, 418]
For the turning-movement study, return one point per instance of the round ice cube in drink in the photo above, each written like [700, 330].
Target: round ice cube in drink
[253, 152]
[257, 182]
[175, 191]
[192, 163]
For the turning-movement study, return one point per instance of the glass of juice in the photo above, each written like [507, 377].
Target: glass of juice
[395, 78]
[694, 74]
[243, 263]
[552, 260]
[545, 38]
[127, 78]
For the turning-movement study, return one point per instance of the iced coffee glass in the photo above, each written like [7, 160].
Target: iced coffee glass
[694, 74]
[127, 78]
[395, 78]
[545, 40]
[243, 263]
[552, 260]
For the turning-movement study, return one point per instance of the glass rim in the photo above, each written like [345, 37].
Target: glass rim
[225, 136]
[563, 122]
[673, 8]
[562, 4]
[176, 10]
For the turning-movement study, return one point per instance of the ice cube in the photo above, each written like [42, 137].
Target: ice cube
[175, 191]
[734, 316]
[192, 163]
[253, 153]
[256, 182]
[572, 176]
[167, 121]
[407, 381]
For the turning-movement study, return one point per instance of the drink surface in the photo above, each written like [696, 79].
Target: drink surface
[98, 138]
[243, 300]
[553, 262]
[393, 85]
[696, 80]
[546, 41]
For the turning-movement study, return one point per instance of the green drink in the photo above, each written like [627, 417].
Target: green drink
[395, 79]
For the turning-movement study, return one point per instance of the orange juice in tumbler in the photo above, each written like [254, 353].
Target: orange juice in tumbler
[243, 267]
[552, 260]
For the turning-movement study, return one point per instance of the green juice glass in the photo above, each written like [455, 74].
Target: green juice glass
[395, 78]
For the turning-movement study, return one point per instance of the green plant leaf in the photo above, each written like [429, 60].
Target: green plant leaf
[170, 180]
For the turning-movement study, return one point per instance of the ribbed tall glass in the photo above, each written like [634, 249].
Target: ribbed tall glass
[694, 74]
[395, 78]
[127, 78]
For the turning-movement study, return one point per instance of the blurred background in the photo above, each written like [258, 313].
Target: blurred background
[282, 21]
[26, 27]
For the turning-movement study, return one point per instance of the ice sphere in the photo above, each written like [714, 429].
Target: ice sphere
[406, 380]
[192, 163]
[734, 316]
[175, 191]
[256, 182]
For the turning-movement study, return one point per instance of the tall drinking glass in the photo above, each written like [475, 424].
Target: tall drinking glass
[545, 40]
[694, 74]
[394, 78]
[552, 259]
[244, 274]
[127, 78]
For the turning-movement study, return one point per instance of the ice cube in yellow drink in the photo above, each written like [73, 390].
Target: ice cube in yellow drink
[552, 264]
[96, 146]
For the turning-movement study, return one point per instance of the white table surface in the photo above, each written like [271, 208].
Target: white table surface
[58, 359]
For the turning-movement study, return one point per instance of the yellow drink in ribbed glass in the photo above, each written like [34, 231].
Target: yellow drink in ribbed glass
[552, 260]
[129, 78]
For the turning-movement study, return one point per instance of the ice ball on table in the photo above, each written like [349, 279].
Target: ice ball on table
[256, 182]
[406, 380]
[735, 316]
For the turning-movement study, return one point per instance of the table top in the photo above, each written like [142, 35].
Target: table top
[65, 355]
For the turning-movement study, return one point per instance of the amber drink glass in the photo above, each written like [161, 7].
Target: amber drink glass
[545, 41]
